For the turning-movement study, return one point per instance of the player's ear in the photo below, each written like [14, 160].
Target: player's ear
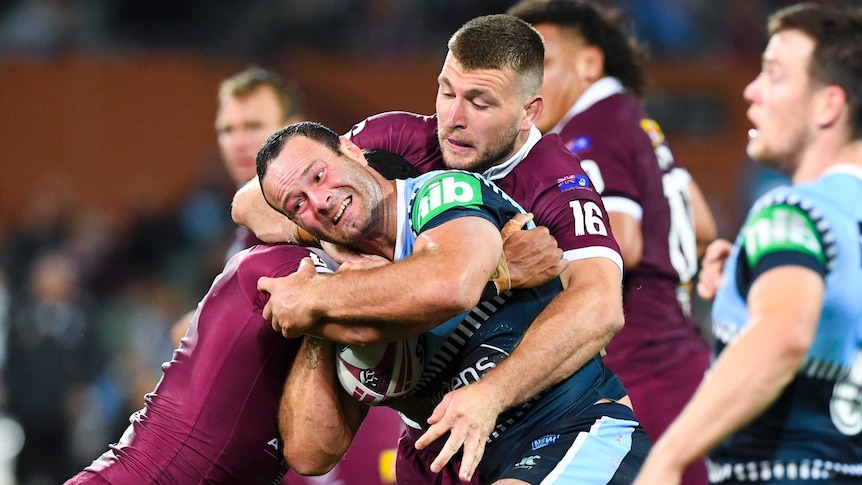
[830, 103]
[591, 64]
[534, 107]
[352, 151]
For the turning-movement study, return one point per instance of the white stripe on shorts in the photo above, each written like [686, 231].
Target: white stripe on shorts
[594, 457]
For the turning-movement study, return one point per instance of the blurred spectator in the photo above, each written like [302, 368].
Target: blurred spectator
[52, 355]
[37, 26]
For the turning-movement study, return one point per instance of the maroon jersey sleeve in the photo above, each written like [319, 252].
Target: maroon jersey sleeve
[551, 184]
[412, 136]
[213, 416]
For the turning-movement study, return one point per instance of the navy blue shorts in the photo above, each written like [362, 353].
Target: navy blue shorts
[605, 445]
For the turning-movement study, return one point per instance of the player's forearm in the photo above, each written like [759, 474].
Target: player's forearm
[574, 328]
[250, 209]
[317, 425]
[416, 293]
[705, 228]
[748, 376]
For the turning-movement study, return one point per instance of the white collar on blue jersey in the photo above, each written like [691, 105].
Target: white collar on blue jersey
[846, 168]
[599, 90]
[499, 171]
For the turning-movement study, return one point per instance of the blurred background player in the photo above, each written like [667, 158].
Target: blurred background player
[781, 404]
[252, 105]
[593, 81]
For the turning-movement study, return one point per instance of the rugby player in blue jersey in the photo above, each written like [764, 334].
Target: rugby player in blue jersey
[783, 401]
[441, 230]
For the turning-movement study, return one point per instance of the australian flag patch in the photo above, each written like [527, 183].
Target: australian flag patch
[570, 182]
[579, 144]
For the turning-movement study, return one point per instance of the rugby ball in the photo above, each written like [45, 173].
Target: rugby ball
[375, 373]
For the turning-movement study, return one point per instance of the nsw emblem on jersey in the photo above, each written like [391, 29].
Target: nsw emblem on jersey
[570, 182]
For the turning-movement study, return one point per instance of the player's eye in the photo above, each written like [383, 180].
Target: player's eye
[318, 176]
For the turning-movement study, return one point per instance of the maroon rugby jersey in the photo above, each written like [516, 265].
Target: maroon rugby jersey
[213, 415]
[628, 161]
[212, 418]
[543, 177]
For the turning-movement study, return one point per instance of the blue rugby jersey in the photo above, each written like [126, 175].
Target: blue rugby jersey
[814, 429]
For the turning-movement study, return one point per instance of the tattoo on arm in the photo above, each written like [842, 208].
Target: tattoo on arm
[312, 351]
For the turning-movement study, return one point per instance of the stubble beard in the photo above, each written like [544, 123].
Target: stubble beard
[491, 156]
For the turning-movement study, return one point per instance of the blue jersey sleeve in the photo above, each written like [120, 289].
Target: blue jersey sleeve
[450, 195]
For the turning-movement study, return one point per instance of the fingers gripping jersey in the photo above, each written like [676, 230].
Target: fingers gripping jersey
[814, 428]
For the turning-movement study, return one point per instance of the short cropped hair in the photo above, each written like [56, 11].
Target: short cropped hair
[273, 146]
[604, 28]
[246, 82]
[837, 57]
[388, 164]
[501, 41]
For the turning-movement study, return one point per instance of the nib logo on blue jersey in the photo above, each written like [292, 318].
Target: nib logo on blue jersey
[570, 182]
[445, 192]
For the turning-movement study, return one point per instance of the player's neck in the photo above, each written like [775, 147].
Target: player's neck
[819, 159]
[381, 241]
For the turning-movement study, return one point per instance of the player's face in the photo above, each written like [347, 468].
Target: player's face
[334, 197]
[563, 85]
[781, 99]
[481, 117]
[243, 124]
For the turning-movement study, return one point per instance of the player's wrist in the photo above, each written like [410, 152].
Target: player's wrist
[501, 278]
